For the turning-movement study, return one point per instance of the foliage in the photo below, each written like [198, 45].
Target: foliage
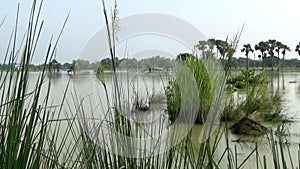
[202, 45]
[257, 104]
[54, 66]
[258, 100]
[232, 112]
[247, 48]
[107, 63]
[270, 47]
[80, 64]
[155, 61]
[225, 49]
[127, 63]
[184, 57]
[166, 63]
[297, 49]
[247, 78]
[268, 62]
[172, 91]
[263, 48]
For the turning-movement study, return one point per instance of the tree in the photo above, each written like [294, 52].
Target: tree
[54, 66]
[285, 48]
[271, 48]
[72, 68]
[247, 48]
[82, 64]
[184, 56]
[226, 50]
[211, 43]
[298, 49]
[221, 47]
[263, 48]
[206, 47]
[279, 46]
[201, 46]
[106, 63]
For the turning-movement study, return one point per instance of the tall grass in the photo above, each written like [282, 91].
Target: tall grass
[26, 116]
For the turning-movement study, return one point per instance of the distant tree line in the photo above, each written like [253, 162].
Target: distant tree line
[106, 63]
[132, 63]
[267, 62]
[271, 53]
[156, 61]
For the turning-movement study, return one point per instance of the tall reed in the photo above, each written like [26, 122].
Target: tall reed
[26, 115]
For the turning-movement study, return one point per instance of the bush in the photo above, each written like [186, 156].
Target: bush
[247, 78]
[172, 91]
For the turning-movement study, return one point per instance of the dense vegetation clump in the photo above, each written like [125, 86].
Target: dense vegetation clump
[247, 78]
[200, 74]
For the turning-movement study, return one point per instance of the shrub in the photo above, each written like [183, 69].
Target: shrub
[172, 91]
[247, 78]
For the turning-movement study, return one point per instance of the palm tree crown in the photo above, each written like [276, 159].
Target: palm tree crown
[298, 48]
[247, 48]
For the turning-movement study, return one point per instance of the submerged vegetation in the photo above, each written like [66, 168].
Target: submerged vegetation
[246, 79]
[36, 134]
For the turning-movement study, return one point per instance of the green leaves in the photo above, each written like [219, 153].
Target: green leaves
[247, 48]
[247, 78]
[262, 47]
[200, 73]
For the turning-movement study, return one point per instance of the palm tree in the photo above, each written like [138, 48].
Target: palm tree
[222, 47]
[298, 49]
[202, 46]
[279, 46]
[226, 51]
[285, 48]
[271, 48]
[211, 43]
[247, 48]
[54, 66]
[263, 48]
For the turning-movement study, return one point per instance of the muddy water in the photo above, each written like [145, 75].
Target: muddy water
[87, 90]
[288, 86]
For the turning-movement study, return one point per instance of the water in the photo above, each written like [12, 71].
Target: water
[288, 86]
[86, 90]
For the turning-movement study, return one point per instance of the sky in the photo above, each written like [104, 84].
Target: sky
[263, 19]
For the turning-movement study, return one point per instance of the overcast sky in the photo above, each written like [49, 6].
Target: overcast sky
[264, 19]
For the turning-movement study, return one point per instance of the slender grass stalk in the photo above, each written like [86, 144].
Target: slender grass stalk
[3, 20]
[299, 155]
[265, 162]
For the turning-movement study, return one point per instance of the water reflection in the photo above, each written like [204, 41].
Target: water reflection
[54, 75]
[298, 91]
[283, 83]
